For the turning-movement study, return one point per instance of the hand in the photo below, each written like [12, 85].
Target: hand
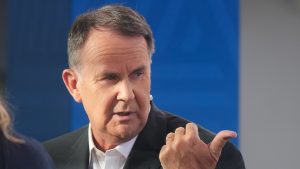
[185, 150]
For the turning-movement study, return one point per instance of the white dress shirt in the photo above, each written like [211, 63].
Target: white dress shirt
[111, 159]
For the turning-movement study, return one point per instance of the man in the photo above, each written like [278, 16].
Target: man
[110, 53]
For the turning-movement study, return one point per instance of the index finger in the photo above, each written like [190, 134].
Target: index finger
[191, 130]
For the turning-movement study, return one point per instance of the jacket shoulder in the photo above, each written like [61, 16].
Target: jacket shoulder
[59, 147]
[66, 139]
[231, 158]
[174, 121]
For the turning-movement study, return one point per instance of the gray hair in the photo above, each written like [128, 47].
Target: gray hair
[118, 18]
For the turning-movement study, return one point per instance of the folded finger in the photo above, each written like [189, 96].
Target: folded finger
[191, 130]
[170, 138]
[179, 132]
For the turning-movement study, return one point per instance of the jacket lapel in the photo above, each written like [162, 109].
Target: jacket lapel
[79, 153]
[145, 152]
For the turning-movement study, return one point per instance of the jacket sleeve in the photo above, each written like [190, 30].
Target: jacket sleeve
[230, 158]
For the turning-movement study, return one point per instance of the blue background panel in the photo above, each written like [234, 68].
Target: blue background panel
[36, 55]
[195, 66]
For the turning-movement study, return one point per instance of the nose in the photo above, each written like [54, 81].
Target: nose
[125, 92]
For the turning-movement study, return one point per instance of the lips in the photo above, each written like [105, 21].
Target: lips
[123, 113]
[124, 116]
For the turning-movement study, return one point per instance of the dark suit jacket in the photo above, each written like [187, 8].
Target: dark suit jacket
[28, 155]
[71, 151]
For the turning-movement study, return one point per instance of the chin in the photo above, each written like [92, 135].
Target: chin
[128, 132]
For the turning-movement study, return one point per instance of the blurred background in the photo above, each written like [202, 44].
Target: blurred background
[224, 64]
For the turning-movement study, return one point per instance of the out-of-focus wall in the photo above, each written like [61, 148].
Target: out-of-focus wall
[270, 82]
[36, 55]
[2, 42]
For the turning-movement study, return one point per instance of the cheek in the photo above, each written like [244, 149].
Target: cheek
[105, 102]
[98, 105]
[143, 101]
[143, 88]
[146, 83]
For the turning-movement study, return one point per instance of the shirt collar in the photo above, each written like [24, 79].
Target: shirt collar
[123, 148]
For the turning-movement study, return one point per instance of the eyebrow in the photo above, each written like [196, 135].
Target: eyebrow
[110, 73]
[105, 74]
[141, 68]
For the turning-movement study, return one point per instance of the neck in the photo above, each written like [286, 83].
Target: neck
[105, 142]
[103, 146]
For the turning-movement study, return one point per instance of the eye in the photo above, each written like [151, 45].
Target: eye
[138, 73]
[111, 77]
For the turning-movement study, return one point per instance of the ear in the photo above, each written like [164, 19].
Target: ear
[70, 79]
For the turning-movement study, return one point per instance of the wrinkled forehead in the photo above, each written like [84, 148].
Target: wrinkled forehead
[108, 37]
[104, 45]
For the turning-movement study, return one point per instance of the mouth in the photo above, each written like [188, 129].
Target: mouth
[123, 113]
[123, 116]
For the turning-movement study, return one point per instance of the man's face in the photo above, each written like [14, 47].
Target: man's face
[114, 84]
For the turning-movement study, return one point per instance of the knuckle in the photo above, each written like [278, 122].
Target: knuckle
[190, 138]
[169, 135]
[178, 143]
[162, 156]
[179, 129]
[165, 152]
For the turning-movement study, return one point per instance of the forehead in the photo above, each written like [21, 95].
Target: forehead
[104, 45]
